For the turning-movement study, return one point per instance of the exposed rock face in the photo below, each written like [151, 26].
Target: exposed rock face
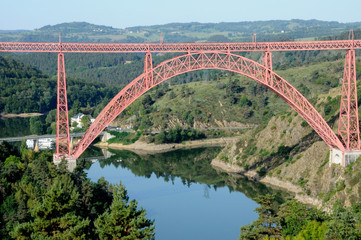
[288, 154]
[286, 130]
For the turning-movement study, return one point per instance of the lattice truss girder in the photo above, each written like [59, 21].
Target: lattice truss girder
[179, 47]
[348, 128]
[209, 60]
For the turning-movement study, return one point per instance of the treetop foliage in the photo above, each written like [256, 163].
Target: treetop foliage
[293, 220]
[41, 201]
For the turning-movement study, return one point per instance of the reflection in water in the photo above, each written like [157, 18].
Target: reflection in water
[206, 192]
[180, 190]
[191, 166]
[14, 127]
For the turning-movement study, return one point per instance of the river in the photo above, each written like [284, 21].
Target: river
[186, 197]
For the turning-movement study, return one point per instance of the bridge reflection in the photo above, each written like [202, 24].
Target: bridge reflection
[72, 163]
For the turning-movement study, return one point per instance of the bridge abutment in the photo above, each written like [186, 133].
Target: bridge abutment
[344, 159]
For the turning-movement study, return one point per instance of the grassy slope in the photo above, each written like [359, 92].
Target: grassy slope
[210, 105]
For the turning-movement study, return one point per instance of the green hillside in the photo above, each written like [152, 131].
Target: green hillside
[228, 99]
[24, 88]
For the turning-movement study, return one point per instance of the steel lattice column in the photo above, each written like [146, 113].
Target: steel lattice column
[267, 63]
[148, 70]
[348, 127]
[62, 124]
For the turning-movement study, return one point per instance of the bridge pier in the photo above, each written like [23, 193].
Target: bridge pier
[343, 158]
[106, 137]
[148, 70]
[348, 126]
[62, 123]
[70, 162]
[71, 144]
[36, 145]
[267, 63]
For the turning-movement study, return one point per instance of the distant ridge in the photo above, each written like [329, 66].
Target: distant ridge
[75, 27]
[272, 30]
[14, 31]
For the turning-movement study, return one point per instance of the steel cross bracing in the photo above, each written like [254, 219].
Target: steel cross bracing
[209, 60]
[178, 47]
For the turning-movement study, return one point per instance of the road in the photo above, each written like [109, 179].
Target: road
[19, 139]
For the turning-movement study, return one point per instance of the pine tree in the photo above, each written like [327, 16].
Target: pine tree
[313, 230]
[124, 221]
[344, 224]
[54, 215]
[267, 224]
[267, 220]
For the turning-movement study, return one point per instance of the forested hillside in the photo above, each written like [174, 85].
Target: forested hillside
[109, 69]
[39, 200]
[24, 88]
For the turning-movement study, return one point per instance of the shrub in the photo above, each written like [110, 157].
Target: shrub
[340, 185]
[304, 124]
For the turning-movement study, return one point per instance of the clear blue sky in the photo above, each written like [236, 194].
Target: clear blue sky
[32, 14]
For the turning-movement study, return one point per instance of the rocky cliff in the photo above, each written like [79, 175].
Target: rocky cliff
[287, 153]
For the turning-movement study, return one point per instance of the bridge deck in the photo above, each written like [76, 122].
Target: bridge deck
[178, 47]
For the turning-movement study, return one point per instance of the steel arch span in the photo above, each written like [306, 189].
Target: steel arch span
[207, 60]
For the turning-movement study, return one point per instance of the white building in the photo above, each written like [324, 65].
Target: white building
[77, 118]
[42, 143]
[45, 143]
[30, 143]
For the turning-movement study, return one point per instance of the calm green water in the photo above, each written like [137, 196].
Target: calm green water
[14, 127]
[180, 190]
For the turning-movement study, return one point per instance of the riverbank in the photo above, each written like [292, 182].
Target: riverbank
[141, 147]
[289, 187]
[159, 148]
[21, 115]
